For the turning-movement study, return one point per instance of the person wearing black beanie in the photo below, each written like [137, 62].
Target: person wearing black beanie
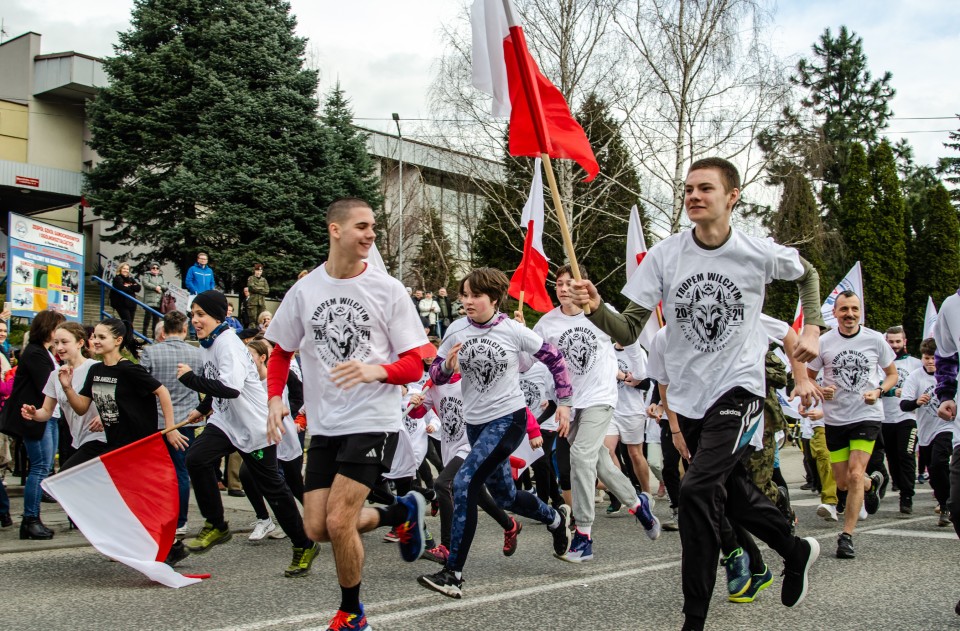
[213, 303]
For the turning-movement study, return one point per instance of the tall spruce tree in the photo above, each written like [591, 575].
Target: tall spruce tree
[209, 140]
[854, 216]
[600, 218]
[934, 257]
[950, 166]
[884, 278]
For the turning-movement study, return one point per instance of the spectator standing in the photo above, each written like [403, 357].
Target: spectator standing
[153, 287]
[244, 313]
[160, 360]
[36, 364]
[259, 288]
[200, 276]
[416, 298]
[429, 310]
[4, 349]
[447, 313]
[125, 287]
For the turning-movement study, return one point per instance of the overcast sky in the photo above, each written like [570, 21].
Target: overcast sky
[382, 51]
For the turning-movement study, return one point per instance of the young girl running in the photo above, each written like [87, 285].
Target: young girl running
[486, 347]
[289, 450]
[70, 345]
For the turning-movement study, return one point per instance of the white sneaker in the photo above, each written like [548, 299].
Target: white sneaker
[863, 513]
[181, 531]
[262, 528]
[277, 533]
[827, 512]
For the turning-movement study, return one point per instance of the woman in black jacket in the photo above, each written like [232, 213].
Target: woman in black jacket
[124, 286]
[36, 364]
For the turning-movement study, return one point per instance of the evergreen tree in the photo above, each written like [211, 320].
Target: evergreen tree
[209, 140]
[601, 209]
[884, 278]
[950, 166]
[854, 216]
[934, 257]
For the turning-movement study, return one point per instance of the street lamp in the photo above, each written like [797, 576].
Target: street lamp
[396, 119]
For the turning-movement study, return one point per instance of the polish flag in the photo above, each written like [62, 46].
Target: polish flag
[654, 324]
[636, 244]
[540, 120]
[797, 319]
[853, 281]
[531, 276]
[126, 504]
[929, 318]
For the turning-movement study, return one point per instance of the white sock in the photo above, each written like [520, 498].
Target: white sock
[635, 508]
[556, 520]
[459, 575]
[584, 530]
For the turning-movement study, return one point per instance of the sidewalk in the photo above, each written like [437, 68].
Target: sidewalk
[237, 512]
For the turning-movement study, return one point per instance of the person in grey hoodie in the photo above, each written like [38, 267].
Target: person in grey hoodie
[153, 287]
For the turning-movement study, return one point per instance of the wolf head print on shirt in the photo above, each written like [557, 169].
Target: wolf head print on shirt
[709, 308]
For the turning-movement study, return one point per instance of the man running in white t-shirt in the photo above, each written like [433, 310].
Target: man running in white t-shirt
[899, 427]
[358, 336]
[711, 281]
[850, 356]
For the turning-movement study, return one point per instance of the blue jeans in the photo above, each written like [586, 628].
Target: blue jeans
[183, 478]
[489, 462]
[55, 440]
[40, 453]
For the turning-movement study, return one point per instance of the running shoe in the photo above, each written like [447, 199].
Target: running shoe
[581, 549]
[871, 497]
[428, 541]
[845, 546]
[344, 621]
[827, 511]
[644, 514]
[302, 560]
[277, 534]
[439, 554]
[614, 507]
[444, 581]
[795, 573]
[944, 519]
[208, 537]
[672, 524]
[411, 532]
[510, 538]
[262, 528]
[906, 505]
[561, 534]
[181, 532]
[391, 536]
[758, 583]
[434, 507]
[737, 565]
[178, 552]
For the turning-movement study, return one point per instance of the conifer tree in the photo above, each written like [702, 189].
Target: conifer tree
[884, 278]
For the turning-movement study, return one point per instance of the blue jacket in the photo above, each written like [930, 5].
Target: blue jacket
[199, 279]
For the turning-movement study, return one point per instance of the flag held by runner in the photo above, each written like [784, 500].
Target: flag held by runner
[636, 244]
[540, 120]
[853, 281]
[126, 504]
[529, 282]
[929, 318]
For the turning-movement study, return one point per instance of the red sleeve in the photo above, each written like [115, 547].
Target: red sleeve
[407, 369]
[278, 369]
[533, 428]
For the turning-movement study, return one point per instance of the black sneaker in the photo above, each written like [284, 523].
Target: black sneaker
[178, 552]
[5, 520]
[444, 581]
[561, 534]
[795, 571]
[871, 498]
[906, 505]
[845, 546]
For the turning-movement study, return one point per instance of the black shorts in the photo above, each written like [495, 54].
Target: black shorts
[840, 437]
[360, 457]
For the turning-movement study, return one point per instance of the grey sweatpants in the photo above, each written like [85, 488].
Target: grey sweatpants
[590, 459]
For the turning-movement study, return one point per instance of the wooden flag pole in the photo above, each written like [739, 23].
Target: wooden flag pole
[562, 220]
[520, 306]
[178, 426]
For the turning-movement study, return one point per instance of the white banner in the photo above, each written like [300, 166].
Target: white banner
[853, 281]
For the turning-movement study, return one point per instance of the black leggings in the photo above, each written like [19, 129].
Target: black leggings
[563, 463]
[671, 464]
[292, 471]
[544, 471]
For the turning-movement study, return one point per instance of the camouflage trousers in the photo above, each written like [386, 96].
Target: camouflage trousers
[759, 464]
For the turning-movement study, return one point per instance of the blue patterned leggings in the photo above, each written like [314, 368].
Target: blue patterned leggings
[489, 463]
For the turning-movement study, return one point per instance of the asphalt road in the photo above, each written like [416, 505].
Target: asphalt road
[906, 576]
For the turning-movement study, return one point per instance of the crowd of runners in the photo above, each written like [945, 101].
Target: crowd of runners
[339, 408]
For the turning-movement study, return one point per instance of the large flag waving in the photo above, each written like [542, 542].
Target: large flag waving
[126, 504]
[540, 121]
[797, 321]
[531, 277]
[853, 281]
[929, 318]
[636, 244]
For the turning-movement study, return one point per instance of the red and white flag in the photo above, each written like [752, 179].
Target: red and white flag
[126, 504]
[531, 276]
[853, 281]
[929, 318]
[636, 244]
[797, 321]
[540, 120]
[654, 324]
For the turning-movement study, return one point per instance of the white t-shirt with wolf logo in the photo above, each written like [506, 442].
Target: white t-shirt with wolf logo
[906, 366]
[369, 318]
[850, 365]
[589, 354]
[929, 425]
[538, 388]
[489, 365]
[447, 402]
[711, 303]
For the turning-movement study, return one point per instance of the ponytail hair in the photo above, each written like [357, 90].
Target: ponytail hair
[116, 326]
[79, 333]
